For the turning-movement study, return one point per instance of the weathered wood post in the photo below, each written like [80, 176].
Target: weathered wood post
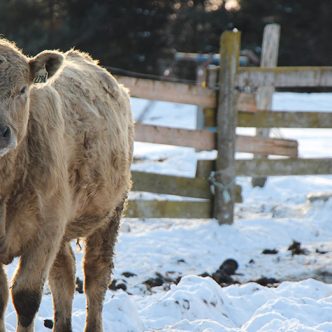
[269, 58]
[200, 77]
[210, 114]
[224, 178]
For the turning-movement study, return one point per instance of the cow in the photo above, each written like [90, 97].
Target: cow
[66, 143]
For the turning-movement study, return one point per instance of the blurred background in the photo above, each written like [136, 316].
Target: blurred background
[150, 36]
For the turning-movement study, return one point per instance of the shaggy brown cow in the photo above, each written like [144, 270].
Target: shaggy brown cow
[65, 155]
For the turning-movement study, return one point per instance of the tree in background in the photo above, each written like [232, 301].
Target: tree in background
[306, 28]
[130, 34]
[24, 22]
[121, 33]
[198, 24]
[138, 35]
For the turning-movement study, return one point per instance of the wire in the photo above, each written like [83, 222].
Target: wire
[130, 73]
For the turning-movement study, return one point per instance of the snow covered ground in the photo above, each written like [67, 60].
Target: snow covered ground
[164, 251]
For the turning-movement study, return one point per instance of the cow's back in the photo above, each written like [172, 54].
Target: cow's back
[98, 136]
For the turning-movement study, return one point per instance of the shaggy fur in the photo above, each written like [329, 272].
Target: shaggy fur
[65, 175]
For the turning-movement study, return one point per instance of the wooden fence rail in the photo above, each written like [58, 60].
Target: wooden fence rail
[271, 167]
[285, 77]
[178, 93]
[175, 185]
[206, 140]
[169, 209]
[171, 185]
[169, 91]
[277, 119]
[285, 119]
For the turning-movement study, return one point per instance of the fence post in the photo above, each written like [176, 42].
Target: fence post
[264, 95]
[199, 81]
[224, 178]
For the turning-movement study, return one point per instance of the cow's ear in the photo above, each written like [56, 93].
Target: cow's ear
[44, 65]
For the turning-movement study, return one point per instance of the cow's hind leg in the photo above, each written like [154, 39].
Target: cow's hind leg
[62, 284]
[98, 265]
[3, 297]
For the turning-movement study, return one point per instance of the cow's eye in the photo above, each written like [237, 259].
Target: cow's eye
[23, 90]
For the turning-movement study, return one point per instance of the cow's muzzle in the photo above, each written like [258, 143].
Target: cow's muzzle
[7, 140]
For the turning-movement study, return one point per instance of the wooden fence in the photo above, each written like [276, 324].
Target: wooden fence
[213, 192]
[232, 79]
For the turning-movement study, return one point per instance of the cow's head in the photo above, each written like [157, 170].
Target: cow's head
[17, 74]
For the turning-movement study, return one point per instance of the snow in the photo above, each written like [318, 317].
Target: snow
[269, 218]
